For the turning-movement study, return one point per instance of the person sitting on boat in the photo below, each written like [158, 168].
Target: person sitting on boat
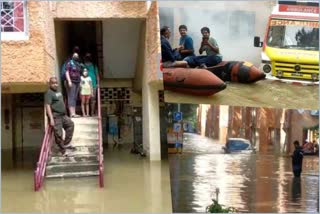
[185, 43]
[169, 57]
[208, 45]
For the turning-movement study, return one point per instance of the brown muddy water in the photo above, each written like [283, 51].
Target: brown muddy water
[248, 182]
[265, 93]
[132, 184]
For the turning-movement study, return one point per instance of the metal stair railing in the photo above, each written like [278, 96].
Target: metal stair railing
[101, 167]
[39, 173]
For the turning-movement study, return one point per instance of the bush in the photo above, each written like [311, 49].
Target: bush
[215, 207]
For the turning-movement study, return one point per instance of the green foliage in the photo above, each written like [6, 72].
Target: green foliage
[189, 112]
[215, 207]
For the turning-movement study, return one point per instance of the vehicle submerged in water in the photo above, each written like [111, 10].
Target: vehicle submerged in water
[238, 145]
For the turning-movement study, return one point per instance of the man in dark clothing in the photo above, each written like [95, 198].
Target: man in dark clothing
[297, 158]
[58, 119]
[169, 58]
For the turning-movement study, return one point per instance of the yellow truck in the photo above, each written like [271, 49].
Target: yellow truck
[290, 48]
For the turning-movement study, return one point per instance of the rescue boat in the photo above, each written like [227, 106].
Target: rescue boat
[237, 71]
[192, 81]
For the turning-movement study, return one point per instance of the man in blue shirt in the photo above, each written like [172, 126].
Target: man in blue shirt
[169, 57]
[210, 46]
[185, 44]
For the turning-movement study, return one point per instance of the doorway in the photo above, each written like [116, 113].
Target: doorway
[87, 35]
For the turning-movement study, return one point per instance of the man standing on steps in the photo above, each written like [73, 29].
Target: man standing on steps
[58, 118]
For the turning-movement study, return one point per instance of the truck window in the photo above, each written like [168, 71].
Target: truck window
[293, 34]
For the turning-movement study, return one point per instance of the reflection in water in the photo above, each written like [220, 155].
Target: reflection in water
[132, 184]
[248, 182]
[296, 190]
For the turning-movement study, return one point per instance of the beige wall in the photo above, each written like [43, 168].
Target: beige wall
[25, 61]
[137, 82]
[98, 9]
[153, 48]
[150, 100]
[49, 39]
[31, 62]
[61, 54]
[121, 46]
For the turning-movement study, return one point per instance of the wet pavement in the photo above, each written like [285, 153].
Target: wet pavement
[248, 182]
[265, 93]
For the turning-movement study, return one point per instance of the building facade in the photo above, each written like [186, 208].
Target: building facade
[38, 36]
[269, 129]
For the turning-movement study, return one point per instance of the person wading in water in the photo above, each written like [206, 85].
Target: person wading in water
[297, 158]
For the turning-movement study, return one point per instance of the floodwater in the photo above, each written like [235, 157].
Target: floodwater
[247, 182]
[265, 93]
[132, 184]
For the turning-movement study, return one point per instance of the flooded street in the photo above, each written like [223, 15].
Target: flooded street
[264, 93]
[132, 184]
[248, 182]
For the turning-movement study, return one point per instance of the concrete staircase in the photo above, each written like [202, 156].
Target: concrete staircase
[84, 160]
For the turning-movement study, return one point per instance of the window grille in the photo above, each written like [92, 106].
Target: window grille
[112, 95]
[13, 20]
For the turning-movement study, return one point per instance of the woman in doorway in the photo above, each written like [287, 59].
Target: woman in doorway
[94, 75]
[73, 77]
[64, 82]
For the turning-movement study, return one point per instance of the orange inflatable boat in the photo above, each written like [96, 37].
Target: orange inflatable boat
[237, 71]
[192, 81]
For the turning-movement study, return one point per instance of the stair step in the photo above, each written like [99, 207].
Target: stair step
[85, 136]
[72, 159]
[84, 142]
[79, 151]
[79, 140]
[86, 129]
[71, 167]
[85, 121]
[74, 174]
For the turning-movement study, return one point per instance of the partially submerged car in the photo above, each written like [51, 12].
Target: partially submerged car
[238, 145]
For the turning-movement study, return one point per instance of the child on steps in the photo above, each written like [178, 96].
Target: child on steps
[86, 92]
